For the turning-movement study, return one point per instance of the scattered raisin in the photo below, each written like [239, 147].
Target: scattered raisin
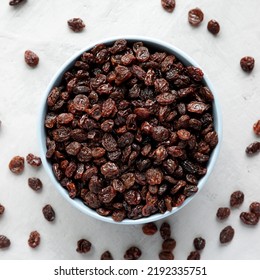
[15, 2]
[106, 256]
[195, 16]
[168, 5]
[255, 208]
[83, 246]
[247, 63]
[33, 160]
[213, 27]
[48, 213]
[133, 253]
[223, 213]
[256, 128]
[35, 183]
[4, 242]
[236, 199]
[2, 209]
[166, 255]
[168, 244]
[76, 24]
[165, 231]
[253, 148]
[31, 58]
[226, 234]
[150, 228]
[194, 255]
[249, 218]
[16, 165]
[199, 243]
[34, 239]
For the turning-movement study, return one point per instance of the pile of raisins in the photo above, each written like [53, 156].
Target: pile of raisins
[130, 130]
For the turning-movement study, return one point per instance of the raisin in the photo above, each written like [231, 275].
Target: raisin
[34, 239]
[256, 128]
[249, 218]
[168, 5]
[226, 234]
[109, 170]
[31, 58]
[33, 160]
[168, 245]
[16, 165]
[253, 148]
[255, 208]
[35, 183]
[133, 253]
[166, 255]
[223, 213]
[76, 24]
[199, 243]
[2, 209]
[106, 256]
[194, 255]
[195, 16]
[213, 27]
[150, 228]
[165, 231]
[48, 213]
[15, 2]
[83, 246]
[109, 142]
[4, 242]
[247, 63]
[236, 199]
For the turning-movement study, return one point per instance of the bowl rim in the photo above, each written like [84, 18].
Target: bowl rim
[160, 44]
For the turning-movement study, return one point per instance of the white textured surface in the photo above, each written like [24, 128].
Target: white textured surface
[41, 26]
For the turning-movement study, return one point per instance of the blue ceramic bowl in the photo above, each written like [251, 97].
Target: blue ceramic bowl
[156, 44]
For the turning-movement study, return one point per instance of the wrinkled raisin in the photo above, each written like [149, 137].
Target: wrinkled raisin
[165, 231]
[33, 160]
[83, 246]
[106, 256]
[256, 128]
[249, 218]
[168, 5]
[168, 244]
[31, 58]
[34, 239]
[35, 183]
[48, 213]
[226, 234]
[236, 199]
[2, 209]
[213, 27]
[255, 208]
[166, 255]
[150, 228]
[194, 255]
[4, 242]
[247, 63]
[16, 165]
[133, 253]
[195, 16]
[15, 2]
[199, 243]
[76, 24]
[223, 213]
[253, 148]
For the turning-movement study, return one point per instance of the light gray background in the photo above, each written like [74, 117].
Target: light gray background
[42, 27]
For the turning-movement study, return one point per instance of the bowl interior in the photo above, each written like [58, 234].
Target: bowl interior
[155, 44]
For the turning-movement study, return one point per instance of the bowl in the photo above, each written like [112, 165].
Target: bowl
[151, 43]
